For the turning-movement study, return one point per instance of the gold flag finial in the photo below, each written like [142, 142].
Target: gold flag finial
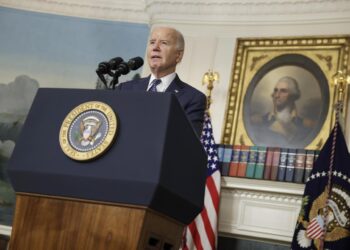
[208, 79]
[340, 81]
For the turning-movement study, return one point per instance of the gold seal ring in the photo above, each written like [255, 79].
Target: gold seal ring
[88, 131]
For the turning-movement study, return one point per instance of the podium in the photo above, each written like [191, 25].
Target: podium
[139, 194]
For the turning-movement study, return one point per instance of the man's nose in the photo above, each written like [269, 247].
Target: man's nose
[155, 46]
[277, 93]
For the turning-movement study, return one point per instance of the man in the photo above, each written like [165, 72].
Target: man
[283, 126]
[165, 50]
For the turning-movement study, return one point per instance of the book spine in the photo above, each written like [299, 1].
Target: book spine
[226, 159]
[275, 163]
[282, 165]
[221, 150]
[253, 156]
[268, 164]
[259, 167]
[299, 166]
[243, 161]
[290, 165]
[309, 163]
[235, 160]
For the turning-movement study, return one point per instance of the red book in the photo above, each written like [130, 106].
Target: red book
[268, 164]
[235, 160]
[243, 161]
[275, 163]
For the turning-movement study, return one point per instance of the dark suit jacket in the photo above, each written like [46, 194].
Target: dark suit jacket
[192, 100]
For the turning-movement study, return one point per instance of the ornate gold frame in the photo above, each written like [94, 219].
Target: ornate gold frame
[330, 53]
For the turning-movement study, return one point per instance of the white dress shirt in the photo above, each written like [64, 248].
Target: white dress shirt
[166, 80]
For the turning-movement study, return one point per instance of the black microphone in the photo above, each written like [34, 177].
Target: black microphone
[103, 68]
[135, 63]
[122, 69]
[114, 62]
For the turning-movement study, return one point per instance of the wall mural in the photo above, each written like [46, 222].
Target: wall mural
[43, 50]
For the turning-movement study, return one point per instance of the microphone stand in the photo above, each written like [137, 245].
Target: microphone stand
[122, 69]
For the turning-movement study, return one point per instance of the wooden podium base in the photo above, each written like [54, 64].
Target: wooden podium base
[43, 223]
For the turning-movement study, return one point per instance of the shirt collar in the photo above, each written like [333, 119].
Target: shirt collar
[166, 81]
[272, 115]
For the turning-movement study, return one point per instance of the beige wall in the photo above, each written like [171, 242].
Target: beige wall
[213, 47]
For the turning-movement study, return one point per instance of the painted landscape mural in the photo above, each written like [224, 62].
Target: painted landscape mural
[43, 50]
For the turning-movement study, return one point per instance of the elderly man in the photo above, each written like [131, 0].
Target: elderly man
[165, 50]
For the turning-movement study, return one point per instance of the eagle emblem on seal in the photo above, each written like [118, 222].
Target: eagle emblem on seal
[89, 131]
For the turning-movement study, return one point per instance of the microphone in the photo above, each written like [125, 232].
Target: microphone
[114, 62]
[103, 68]
[135, 63]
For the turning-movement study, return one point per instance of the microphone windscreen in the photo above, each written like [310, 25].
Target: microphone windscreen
[135, 63]
[114, 62]
[103, 68]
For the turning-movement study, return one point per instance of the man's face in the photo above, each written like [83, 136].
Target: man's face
[281, 95]
[162, 52]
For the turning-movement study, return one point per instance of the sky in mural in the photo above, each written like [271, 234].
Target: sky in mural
[61, 51]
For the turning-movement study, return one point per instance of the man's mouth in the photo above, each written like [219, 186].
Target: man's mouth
[155, 57]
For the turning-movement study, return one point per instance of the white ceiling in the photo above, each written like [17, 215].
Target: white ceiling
[194, 11]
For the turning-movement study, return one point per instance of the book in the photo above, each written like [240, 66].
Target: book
[282, 165]
[243, 161]
[259, 167]
[309, 163]
[275, 163]
[299, 166]
[268, 163]
[226, 159]
[253, 156]
[290, 164]
[235, 160]
[221, 150]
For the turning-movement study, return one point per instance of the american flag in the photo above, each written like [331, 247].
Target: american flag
[202, 232]
[315, 228]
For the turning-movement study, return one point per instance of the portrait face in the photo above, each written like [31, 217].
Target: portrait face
[273, 89]
[163, 53]
[281, 96]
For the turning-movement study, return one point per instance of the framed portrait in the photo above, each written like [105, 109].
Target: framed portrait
[282, 93]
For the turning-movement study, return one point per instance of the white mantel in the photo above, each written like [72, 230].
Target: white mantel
[259, 209]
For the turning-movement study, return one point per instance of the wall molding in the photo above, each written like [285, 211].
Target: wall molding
[214, 12]
[258, 209]
[118, 10]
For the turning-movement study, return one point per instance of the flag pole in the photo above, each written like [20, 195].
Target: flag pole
[209, 78]
[340, 82]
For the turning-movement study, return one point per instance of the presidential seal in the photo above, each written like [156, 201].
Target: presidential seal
[88, 131]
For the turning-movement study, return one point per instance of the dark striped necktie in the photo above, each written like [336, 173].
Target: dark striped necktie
[154, 84]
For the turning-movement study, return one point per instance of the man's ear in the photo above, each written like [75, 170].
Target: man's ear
[179, 55]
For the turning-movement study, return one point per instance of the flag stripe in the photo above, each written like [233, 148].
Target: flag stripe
[213, 193]
[202, 232]
[208, 229]
[195, 236]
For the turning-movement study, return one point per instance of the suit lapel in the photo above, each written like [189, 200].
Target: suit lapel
[141, 84]
[176, 86]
